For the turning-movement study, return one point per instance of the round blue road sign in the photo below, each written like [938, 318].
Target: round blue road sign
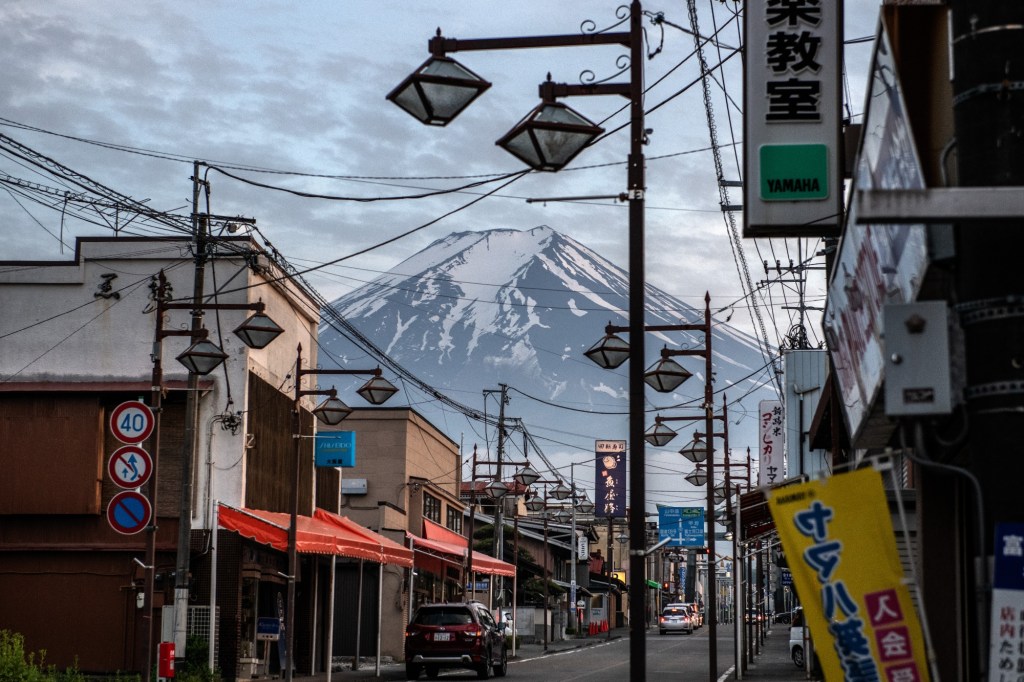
[129, 512]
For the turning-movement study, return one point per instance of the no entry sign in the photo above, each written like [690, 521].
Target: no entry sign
[130, 466]
[129, 512]
[131, 422]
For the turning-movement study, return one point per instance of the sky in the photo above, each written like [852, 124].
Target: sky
[291, 95]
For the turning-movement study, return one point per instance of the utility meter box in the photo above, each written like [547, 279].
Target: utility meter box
[353, 486]
[918, 368]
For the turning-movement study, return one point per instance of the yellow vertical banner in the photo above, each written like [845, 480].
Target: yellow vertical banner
[841, 550]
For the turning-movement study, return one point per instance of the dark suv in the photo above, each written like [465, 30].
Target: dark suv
[455, 636]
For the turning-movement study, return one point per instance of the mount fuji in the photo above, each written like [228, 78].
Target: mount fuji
[477, 309]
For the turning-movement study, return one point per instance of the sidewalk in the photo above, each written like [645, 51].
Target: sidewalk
[773, 662]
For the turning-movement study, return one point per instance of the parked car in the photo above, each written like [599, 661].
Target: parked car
[796, 637]
[458, 635]
[675, 618]
[697, 614]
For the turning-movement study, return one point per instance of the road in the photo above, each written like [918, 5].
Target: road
[681, 656]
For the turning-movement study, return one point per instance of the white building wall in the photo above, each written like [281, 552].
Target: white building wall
[58, 325]
[805, 372]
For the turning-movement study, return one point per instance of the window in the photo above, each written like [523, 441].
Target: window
[454, 520]
[431, 508]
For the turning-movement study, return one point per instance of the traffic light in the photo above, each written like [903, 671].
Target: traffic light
[665, 586]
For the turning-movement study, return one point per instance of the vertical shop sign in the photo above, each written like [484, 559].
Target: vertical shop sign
[771, 439]
[610, 479]
[1006, 638]
[841, 549]
[792, 118]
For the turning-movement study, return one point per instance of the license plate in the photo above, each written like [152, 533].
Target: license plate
[442, 636]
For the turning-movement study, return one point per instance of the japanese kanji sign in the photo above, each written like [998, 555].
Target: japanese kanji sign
[1006, 638]
[841, 549]
[610, 479]
[792, 78]
[771, 439]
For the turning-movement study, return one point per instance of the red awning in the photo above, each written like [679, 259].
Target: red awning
[453, 548]
[393, 552]
[313, 536]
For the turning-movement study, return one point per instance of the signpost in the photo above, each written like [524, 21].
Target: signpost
[130, 467]
[132, 422]
[129, 512]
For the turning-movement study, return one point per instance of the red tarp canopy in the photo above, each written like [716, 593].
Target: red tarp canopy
[454, 547]
[393, 552]
[313, 536]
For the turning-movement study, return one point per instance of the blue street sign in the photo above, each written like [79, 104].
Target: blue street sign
[336, 449]
[268, 629]
[682, 526]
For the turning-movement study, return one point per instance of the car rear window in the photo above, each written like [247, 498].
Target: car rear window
[444, 616]
[673, 612]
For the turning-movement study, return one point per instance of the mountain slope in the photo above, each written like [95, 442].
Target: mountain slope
[476, 309]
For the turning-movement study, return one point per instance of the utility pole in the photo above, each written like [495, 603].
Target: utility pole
[188, 450]
[987, 115]
[499, 521]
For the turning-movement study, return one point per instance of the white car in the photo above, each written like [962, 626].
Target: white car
[675, 618]
[797, 638]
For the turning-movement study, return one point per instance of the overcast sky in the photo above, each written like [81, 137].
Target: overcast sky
[299, 87]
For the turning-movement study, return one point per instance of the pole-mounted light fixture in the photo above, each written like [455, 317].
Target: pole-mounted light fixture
[550, 136]
[696, 450]
[666, 375]
[659, 434]
[202, 357]
[332, 411]
[610, 352]
[258, 331]
[526, 477]
[377, 390]
[438, 91]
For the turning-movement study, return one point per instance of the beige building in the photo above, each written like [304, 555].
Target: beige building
[406, 471]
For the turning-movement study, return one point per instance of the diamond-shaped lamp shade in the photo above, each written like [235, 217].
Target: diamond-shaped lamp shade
[202, 357]
[549, 137]
[665, 375]
[438, 91]
[526, 477]
[697, 477]
[332, 411]
[562, 516]
[659, 435]
[695, 451]
[377, 390]
[496, 488]
[559, 492]
[720, 494]
[535, 504]
[610, 352]
[258, 331]
[585, 506]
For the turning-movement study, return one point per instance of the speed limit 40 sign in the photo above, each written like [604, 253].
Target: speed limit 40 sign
[131, 422]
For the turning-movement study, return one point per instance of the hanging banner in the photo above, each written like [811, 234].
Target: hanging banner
[771, 439]
[841, 550]
[610, 479]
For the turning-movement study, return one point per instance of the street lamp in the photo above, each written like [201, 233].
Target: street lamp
[664, 376]
[420, 101]
[201, 358]
[331, 412]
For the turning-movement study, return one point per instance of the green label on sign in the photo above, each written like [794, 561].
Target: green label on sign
[794, 172]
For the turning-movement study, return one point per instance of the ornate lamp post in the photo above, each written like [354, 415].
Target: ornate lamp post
[200, 358]
[331, 411]
[434, 98]
[664, 376]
